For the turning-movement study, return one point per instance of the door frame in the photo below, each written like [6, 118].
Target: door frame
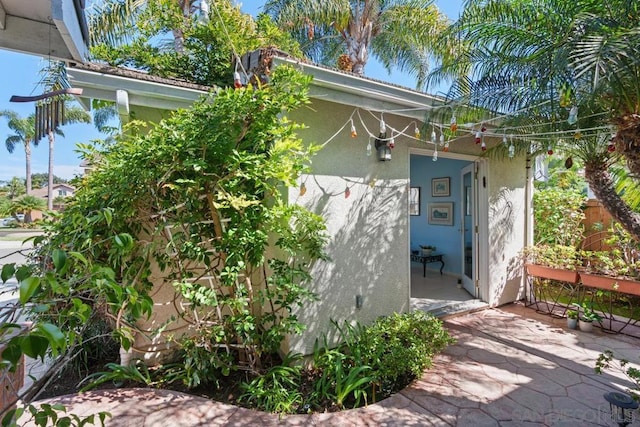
[482, 212]
[469, 283]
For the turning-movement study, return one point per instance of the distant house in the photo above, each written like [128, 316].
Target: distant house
[60, 191]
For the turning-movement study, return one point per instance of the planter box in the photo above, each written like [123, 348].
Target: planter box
[551, 273]
[609, 283]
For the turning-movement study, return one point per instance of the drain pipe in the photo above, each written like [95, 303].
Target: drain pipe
[528, 215]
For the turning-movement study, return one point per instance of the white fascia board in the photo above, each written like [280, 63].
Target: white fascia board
[144, 93]
[65, 17]
[351, 90]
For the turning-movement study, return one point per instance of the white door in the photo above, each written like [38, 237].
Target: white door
[469, 228]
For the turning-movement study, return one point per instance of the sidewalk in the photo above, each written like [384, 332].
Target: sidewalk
[510, 367]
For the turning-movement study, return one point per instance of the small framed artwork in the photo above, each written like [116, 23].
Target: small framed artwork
[441, 213]
[440, 187]
[414, 201]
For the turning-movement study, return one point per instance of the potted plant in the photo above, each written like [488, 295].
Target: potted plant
[555, 262]
[587, 317]
[572, 319]
[610, 270]
[427, 249]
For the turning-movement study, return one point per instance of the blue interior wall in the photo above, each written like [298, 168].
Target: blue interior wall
[446, 238]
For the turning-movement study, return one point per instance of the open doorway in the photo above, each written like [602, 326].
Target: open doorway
[443, 233]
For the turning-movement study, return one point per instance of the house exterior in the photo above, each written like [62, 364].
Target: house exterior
[477, 213]
[58, 191]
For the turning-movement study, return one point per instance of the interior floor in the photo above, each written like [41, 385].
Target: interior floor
[439, 294]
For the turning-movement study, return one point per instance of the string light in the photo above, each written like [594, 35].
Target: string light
[453, 125]
[441, 139]
[237, 80]
[512, 148]
[347, 192]
[303, 189]
[549, 150]
[435, 154]
[369, 148]
[446, 146]
[478, 137]
[573, 115]
[416, 131]
[483, 146]
[354, 133]
[391, 143]
[433, 136]
[383, 125]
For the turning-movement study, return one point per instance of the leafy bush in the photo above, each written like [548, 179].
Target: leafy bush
[399, 347]
[558, 216]
[607, 360]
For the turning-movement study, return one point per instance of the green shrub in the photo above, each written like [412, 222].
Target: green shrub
[399, 347]
[558, 216]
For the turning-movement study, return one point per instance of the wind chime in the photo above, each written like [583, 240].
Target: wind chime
[49, 110]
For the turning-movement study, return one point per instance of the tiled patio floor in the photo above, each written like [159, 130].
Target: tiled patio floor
[510, 367]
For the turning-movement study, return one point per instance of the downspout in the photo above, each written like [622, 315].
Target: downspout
[528, 216]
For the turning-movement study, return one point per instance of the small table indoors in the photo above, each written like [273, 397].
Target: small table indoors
[426, 259]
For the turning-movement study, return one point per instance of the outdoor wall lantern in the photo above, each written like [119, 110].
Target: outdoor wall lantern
[383, 147]
[622, 407]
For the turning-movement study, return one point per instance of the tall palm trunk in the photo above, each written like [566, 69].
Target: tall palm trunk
[50, 181]
[27, 155]
[603, 187]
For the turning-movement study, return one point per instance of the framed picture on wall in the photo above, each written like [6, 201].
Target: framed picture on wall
[440, 187]
[414, 201]
[441, 213]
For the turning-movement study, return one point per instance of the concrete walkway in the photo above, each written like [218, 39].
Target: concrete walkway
[510, 367]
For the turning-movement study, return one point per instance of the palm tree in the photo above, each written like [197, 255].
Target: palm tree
[535, 61]
[73, 114]
[24, 131]
[400, 33]
[26, 204]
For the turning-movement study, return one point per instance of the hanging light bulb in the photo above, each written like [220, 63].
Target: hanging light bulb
[504, 139]
[237, 80]
[303, 189]
[577, 135]
[549, 150]
[347, 192]
[446, 146]
[441, 139]
[483, 146]
[512, 148]
[369, 148]
[383, 125]
[391, 143]
[417, 131]
[611, 147]
[453, 126]
[354, 133]
[478, 137]
[434, 138]
[573, 115]
[483, 129]
[568, 163]
[435, 156]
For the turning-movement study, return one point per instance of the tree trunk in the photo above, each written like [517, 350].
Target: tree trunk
[603, 187]
[27, 154]
[50, 182]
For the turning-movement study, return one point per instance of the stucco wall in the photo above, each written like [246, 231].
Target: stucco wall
[368, 225]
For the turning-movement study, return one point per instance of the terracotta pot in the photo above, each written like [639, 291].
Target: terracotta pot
[609, 283]
[562, 275]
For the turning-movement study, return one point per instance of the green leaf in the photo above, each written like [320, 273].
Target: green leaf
[59, 260]
[54, 335]
[79, 257]
[27, 288]
[12, 353]
[34, 346]
[22, 273]
[7, 271]
[108, 216]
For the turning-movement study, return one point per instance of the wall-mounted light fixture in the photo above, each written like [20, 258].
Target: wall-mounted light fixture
[382, 147]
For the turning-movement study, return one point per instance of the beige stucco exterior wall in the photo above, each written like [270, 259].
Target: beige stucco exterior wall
[369, 232]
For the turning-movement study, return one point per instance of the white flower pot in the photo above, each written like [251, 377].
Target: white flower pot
[586, 326]
[572, 323]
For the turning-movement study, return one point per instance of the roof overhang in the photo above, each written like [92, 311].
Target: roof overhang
[349, 89]
[48, 28]
[139, 92]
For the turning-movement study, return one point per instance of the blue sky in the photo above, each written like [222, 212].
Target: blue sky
[20, 76]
